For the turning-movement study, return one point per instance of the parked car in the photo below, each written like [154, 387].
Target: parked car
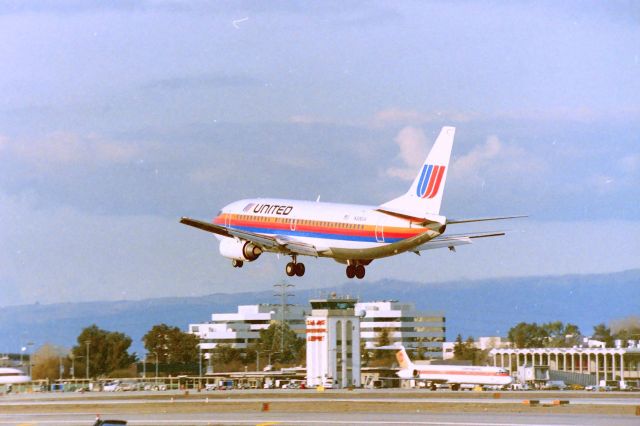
[111, 386]
[555, 385]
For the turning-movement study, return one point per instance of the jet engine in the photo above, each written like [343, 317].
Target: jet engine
[407, 374]
[239, 250]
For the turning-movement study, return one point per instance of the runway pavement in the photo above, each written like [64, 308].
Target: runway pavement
[399, 407]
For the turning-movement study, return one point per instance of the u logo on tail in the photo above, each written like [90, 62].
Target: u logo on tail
[429, 182]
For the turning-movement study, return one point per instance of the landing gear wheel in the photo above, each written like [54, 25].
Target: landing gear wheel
[237, 263]
[290, 269]
[299, 269]
[434, 387]
[360, 272]
[351, 271]
[455, 387]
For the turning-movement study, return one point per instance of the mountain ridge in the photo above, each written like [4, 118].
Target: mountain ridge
[472, 307]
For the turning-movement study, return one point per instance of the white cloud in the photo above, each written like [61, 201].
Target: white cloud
[413, 150]
[471, 163]
[496, 158]
[63, 149]
[395, 116]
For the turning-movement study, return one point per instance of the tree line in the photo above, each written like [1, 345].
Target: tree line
[103, 353]
[553, 334]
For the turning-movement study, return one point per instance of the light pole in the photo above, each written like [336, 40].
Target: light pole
[271, 353]
[29, 344]
[73, 365]
[87, 342]
[156, 353]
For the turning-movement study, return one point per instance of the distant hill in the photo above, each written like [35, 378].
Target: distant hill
[478, 308]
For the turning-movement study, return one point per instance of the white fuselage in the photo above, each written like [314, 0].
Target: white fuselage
[455, 374]
[326, 226]
[9, 376]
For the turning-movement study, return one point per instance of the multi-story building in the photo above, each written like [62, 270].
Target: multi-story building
[242, 328]
[421, 333]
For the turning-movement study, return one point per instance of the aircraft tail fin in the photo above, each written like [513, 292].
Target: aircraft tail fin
[425, 194]
[403, 358]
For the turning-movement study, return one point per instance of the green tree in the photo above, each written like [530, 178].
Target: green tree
[467, 351]
[281, 340]
[525, 335]
[108, 351]
[603, 333]
[50, 362]
[626, 328]
[560, 335]
[384, 356]
[171, 344]
[459, 348]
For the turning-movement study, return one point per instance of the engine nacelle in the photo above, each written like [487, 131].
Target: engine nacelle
[239, 250]
[406, 374]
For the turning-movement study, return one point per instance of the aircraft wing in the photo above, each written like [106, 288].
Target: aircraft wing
[278, 243]
[450, 241]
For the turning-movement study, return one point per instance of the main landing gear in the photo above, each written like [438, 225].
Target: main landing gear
[237, 263]
[294, 268]
[357, 271]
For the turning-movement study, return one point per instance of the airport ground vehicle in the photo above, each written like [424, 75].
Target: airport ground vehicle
[555, 385]
[111, 386]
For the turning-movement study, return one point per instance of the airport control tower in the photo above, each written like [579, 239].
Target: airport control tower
[333, 343]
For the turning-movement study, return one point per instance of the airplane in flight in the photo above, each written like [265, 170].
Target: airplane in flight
[10, 376]
[354, 235]
[453, 375]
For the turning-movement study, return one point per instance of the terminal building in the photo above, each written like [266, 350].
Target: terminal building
[579, 365]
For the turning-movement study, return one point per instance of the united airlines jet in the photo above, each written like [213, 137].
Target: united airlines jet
[351, 234]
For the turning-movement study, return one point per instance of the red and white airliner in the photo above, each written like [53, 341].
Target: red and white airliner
[11, 376]
[453, 375]
[351, 234]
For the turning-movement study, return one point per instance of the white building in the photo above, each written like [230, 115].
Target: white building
[416, 330]
[242, 328]
[333, 343]
[619, 364]
[483, 343]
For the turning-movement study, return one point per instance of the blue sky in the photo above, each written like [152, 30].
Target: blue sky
[117, 118]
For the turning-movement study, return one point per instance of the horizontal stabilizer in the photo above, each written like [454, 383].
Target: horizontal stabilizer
[451, 241]
[482, 219]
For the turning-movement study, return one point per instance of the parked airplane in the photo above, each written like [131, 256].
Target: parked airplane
[454, 375]
[10, 376]
[354, 235]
